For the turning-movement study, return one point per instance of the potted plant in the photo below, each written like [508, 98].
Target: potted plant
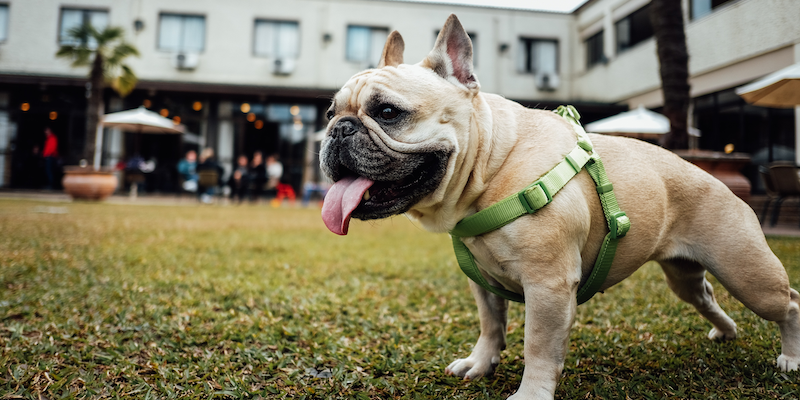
[104, 53]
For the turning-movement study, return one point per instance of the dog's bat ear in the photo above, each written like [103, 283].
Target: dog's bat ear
[452, 54]
[392, 51]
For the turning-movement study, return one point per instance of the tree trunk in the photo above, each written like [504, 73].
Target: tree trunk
[93, 109]
[667, 19]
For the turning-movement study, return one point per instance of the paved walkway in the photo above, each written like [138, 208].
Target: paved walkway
[788, 223]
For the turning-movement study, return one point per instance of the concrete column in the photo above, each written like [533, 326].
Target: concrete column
[225, 136]
[610, 35]
[797, 114]
[204, 127]
[797, 135]
[4, 137]
[113, 143]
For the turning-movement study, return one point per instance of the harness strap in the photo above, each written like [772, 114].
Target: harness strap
[539, 194]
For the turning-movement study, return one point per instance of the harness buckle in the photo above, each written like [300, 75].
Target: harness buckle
[539, 197]
[618, 225]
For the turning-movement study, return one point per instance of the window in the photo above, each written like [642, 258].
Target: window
[594, 50]
[72, 18]
[633, 29]
[365, 44]
[277, 39]
[182, 33]
[3, 22]
[538, 56]
[473, 37]
[701, 8]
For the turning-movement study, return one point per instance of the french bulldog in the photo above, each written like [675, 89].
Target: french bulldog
[424, 141]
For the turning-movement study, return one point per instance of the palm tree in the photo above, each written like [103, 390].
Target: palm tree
[103, 52]
[667, 19]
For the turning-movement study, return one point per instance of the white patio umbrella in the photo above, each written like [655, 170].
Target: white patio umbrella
[639, 123]
[139, 120]
[780, 89]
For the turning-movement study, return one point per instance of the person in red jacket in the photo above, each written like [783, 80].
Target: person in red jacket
[50, 154]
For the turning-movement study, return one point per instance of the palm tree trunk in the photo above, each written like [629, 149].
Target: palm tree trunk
[93, 109]
[667, 19]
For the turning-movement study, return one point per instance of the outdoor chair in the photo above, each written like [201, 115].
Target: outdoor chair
[786, 183]
[134, 179]
[769, 186]
[207, 179]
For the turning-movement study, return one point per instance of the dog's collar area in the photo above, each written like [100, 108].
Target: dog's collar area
[536, 196]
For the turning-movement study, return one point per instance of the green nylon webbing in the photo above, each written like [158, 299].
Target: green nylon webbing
[538, 195]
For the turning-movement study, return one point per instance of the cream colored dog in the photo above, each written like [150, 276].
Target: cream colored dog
[423, 140]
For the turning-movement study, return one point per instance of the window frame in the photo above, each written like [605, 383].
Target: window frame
[372, 29]
[4, 35]
[527, 44]
[85, 11]
[275, 21]
[629, 19]
[711, 10]
[595, 42]
[183, 18]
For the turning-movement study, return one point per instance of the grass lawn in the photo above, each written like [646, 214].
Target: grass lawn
[117, 301]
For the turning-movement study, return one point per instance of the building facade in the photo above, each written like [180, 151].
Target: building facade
[258, 75]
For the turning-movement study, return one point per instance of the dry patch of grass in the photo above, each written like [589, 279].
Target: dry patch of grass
[112, 301]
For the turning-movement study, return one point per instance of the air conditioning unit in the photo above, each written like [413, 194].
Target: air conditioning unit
[186, 61]
[547, 81]
[283, 66]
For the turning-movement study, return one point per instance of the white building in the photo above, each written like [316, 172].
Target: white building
[232, 71]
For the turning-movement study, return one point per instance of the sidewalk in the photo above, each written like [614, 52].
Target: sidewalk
[161, 199]
[788, 222]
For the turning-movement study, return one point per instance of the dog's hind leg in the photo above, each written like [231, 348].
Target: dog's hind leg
[753, 275]
[687, 280]
[493, 314]
[790, 335]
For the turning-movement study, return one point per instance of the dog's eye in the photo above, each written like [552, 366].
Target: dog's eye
[389, 112]
[329, 114]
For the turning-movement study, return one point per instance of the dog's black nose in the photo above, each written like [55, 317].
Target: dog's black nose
[346, 126]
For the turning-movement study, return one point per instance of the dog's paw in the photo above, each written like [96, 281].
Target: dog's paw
[471, 368]
[786, 363]
[720, 334]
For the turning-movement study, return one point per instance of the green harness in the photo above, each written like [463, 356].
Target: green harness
[540, 194]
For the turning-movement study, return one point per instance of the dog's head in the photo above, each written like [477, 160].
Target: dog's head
[394, 131]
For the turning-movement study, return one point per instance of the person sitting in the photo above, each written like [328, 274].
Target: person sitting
[258, 176]
[209, 175]
[240, 179]
[50, 155]
[275, 173]
[187, 169]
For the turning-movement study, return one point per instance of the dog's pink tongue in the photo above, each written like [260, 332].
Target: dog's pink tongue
[342, 198]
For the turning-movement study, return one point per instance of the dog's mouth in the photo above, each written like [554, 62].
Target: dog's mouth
[357, 196]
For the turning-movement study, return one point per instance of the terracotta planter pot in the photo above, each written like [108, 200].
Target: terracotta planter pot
[725, 167]
[89, 184]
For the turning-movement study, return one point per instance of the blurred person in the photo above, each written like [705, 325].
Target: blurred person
[187, 169]
[309, 188]
[50, 154]
[240, 179]
[135, 173]
[275, 173]
[208, 164]
[258, 176]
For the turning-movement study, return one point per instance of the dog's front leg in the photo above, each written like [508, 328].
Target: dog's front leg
[493, 312]
[549, 314]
